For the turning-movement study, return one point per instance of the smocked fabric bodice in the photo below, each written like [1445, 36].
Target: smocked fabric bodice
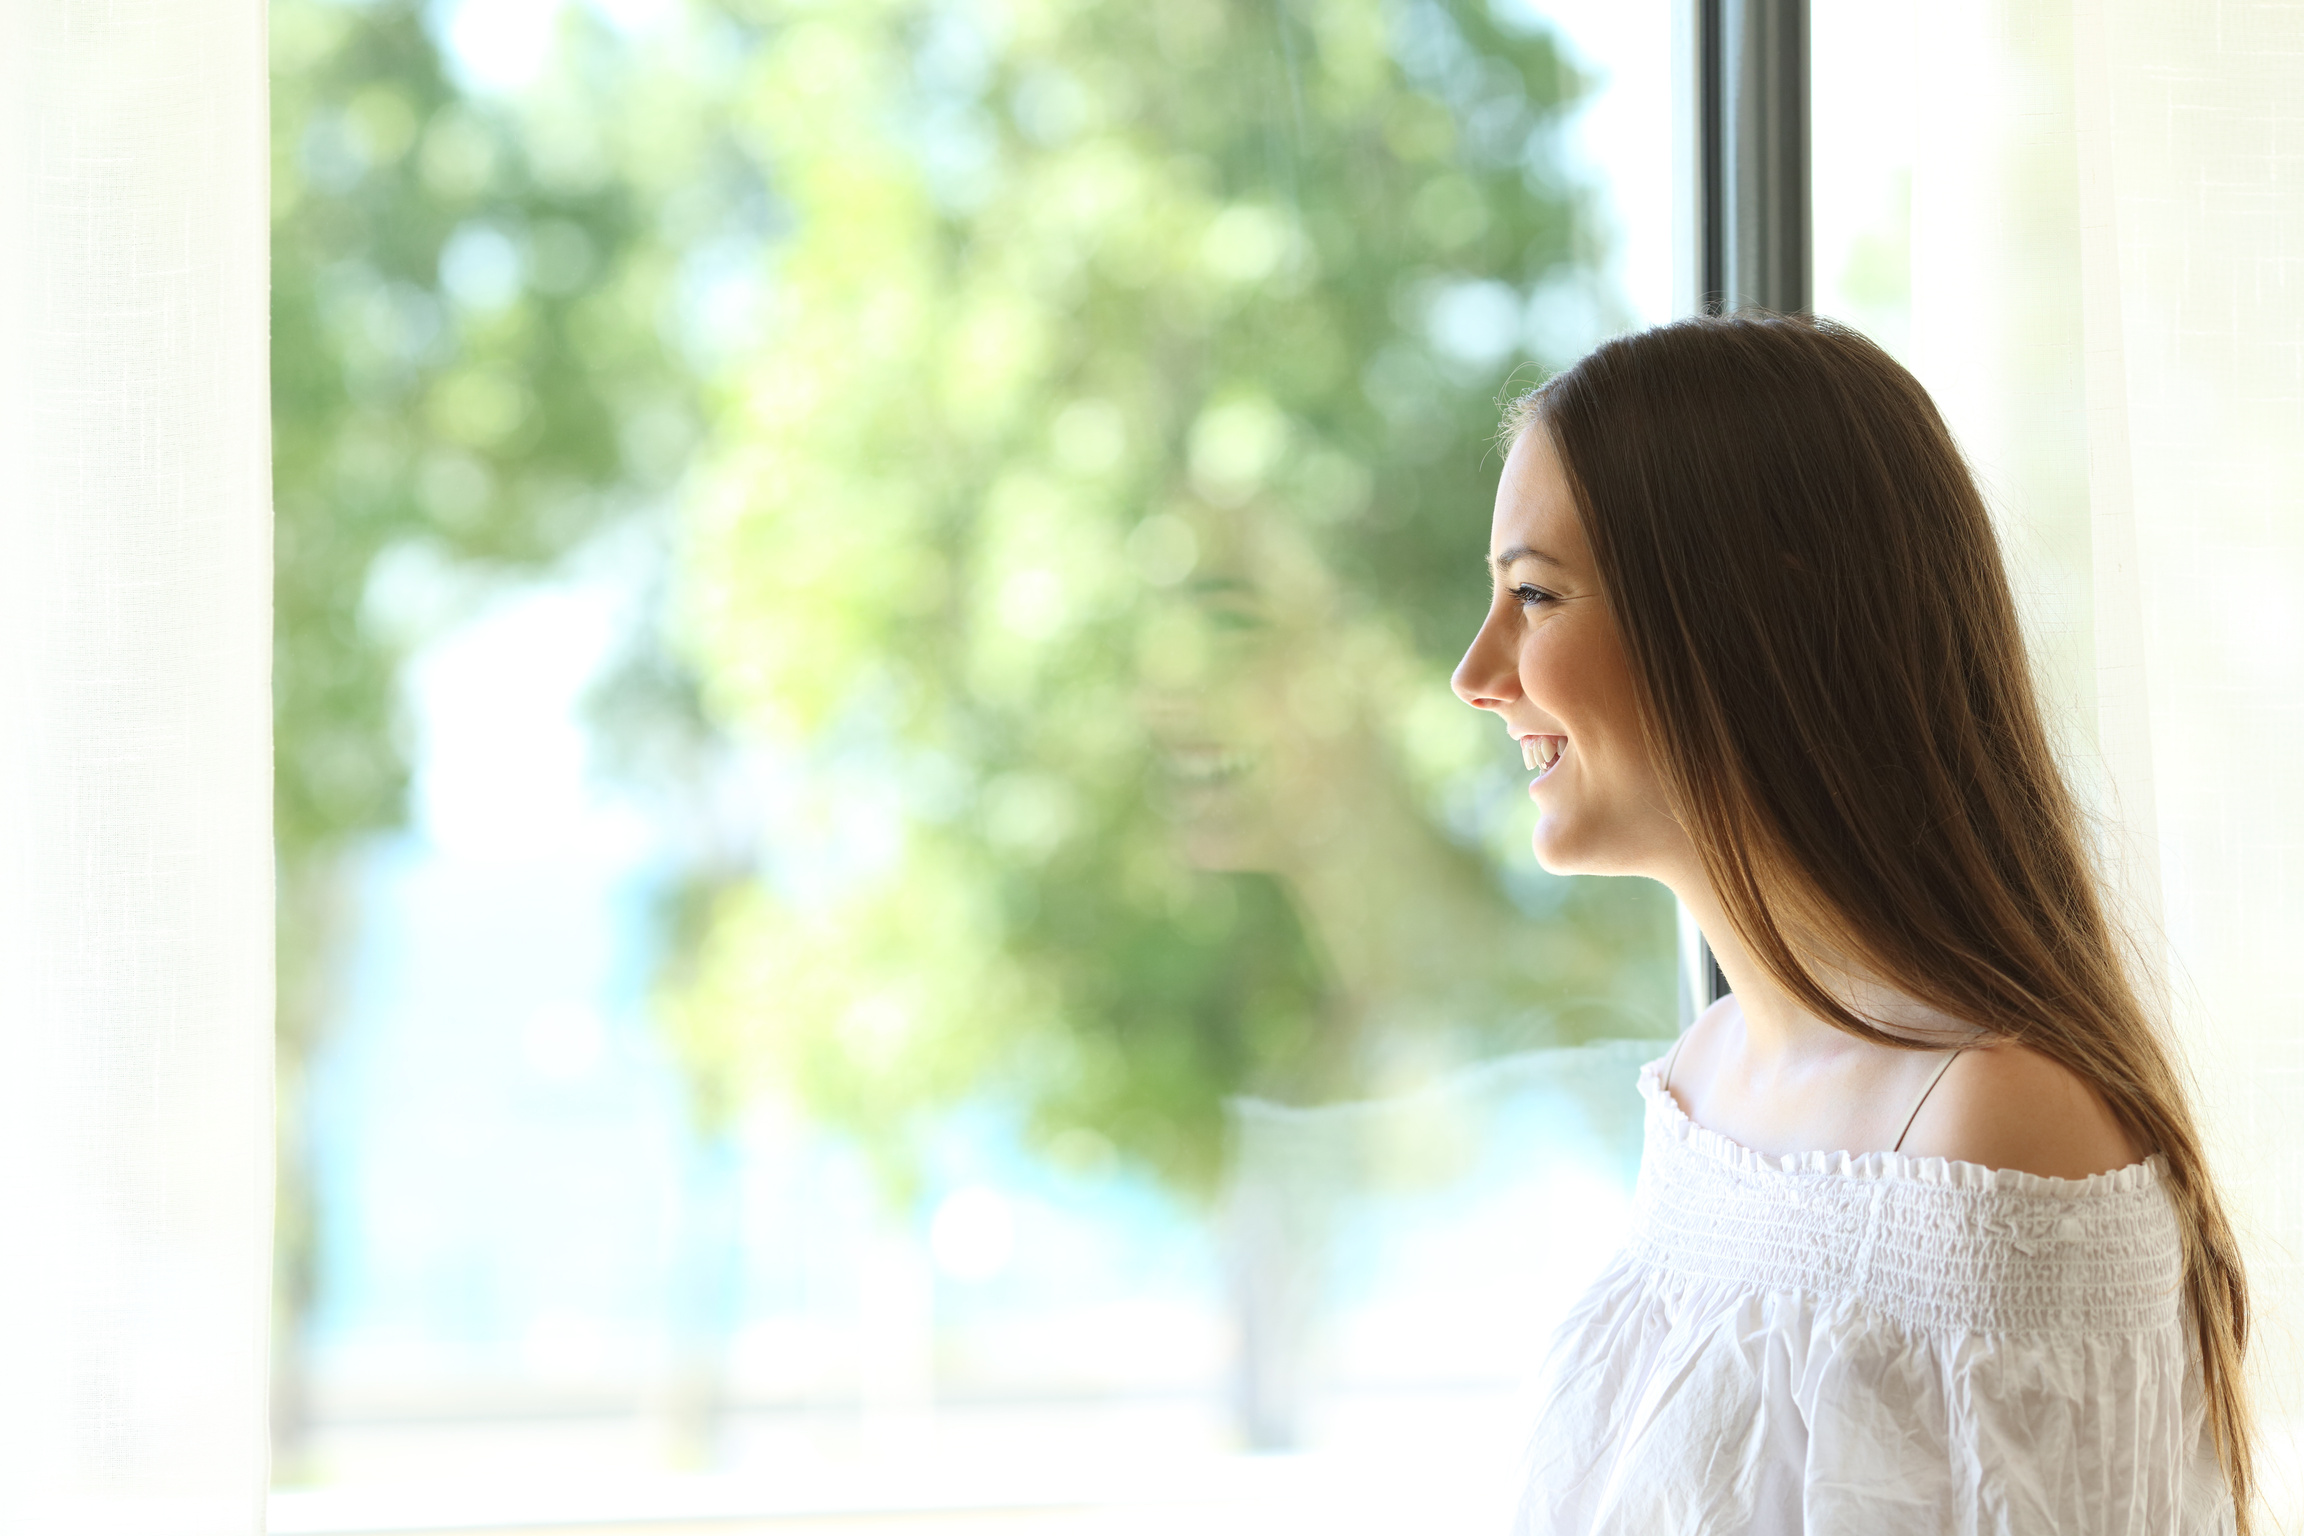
[1875, 1343]
[1927, 1242]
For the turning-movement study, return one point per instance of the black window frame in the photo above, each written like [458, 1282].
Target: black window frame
[1749, 221]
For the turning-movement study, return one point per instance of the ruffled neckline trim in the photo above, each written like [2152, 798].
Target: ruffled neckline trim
[1945, 1173]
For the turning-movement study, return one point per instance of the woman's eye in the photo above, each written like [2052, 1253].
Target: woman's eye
[1529, 596]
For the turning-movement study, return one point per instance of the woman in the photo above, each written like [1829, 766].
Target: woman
[1924, 1240]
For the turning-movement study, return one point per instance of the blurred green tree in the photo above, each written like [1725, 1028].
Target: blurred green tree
[1099, 517]
[471, 377]
[1095, 517]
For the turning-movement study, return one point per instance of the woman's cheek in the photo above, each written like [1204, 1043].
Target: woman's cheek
[1547, 673]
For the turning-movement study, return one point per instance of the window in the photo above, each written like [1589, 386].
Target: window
[945, 940]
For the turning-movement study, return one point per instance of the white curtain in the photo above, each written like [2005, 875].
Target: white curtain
[135, 777]
[2108, 301]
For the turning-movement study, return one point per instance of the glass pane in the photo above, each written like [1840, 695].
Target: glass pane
[1959, 251]
[1860, 166]
[883, 891]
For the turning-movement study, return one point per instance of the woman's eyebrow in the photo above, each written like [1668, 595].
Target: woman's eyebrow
[1517, 553]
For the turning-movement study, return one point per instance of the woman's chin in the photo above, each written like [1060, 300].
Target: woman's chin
[1560, 850]
[1551, 856]
[1608, 841]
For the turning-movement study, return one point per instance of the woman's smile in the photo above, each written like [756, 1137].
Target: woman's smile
[1542, 753]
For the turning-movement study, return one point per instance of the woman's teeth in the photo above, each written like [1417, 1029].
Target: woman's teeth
[1203, 766]
[1541, 752]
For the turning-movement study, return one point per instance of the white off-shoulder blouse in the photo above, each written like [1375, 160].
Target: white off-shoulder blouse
[1881, 1345]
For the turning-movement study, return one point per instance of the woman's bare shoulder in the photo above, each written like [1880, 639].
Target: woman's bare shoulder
[2009, 1106]
[1697, 1049]
[1695, 1042]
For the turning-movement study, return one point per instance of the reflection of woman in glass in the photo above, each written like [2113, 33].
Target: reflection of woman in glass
[1924, 1240]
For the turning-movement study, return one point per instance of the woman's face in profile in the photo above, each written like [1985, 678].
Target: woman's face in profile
[1550, 663]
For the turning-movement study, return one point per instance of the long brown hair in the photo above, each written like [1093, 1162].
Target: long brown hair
[1835, 688]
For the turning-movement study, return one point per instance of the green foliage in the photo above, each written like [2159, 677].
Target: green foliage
[466, 368]
[1117, 463]
[469, 380]
[1097, 519]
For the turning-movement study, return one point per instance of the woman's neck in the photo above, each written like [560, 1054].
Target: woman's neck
[1779, 1029]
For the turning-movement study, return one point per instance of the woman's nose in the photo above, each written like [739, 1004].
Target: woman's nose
[1484, 679]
